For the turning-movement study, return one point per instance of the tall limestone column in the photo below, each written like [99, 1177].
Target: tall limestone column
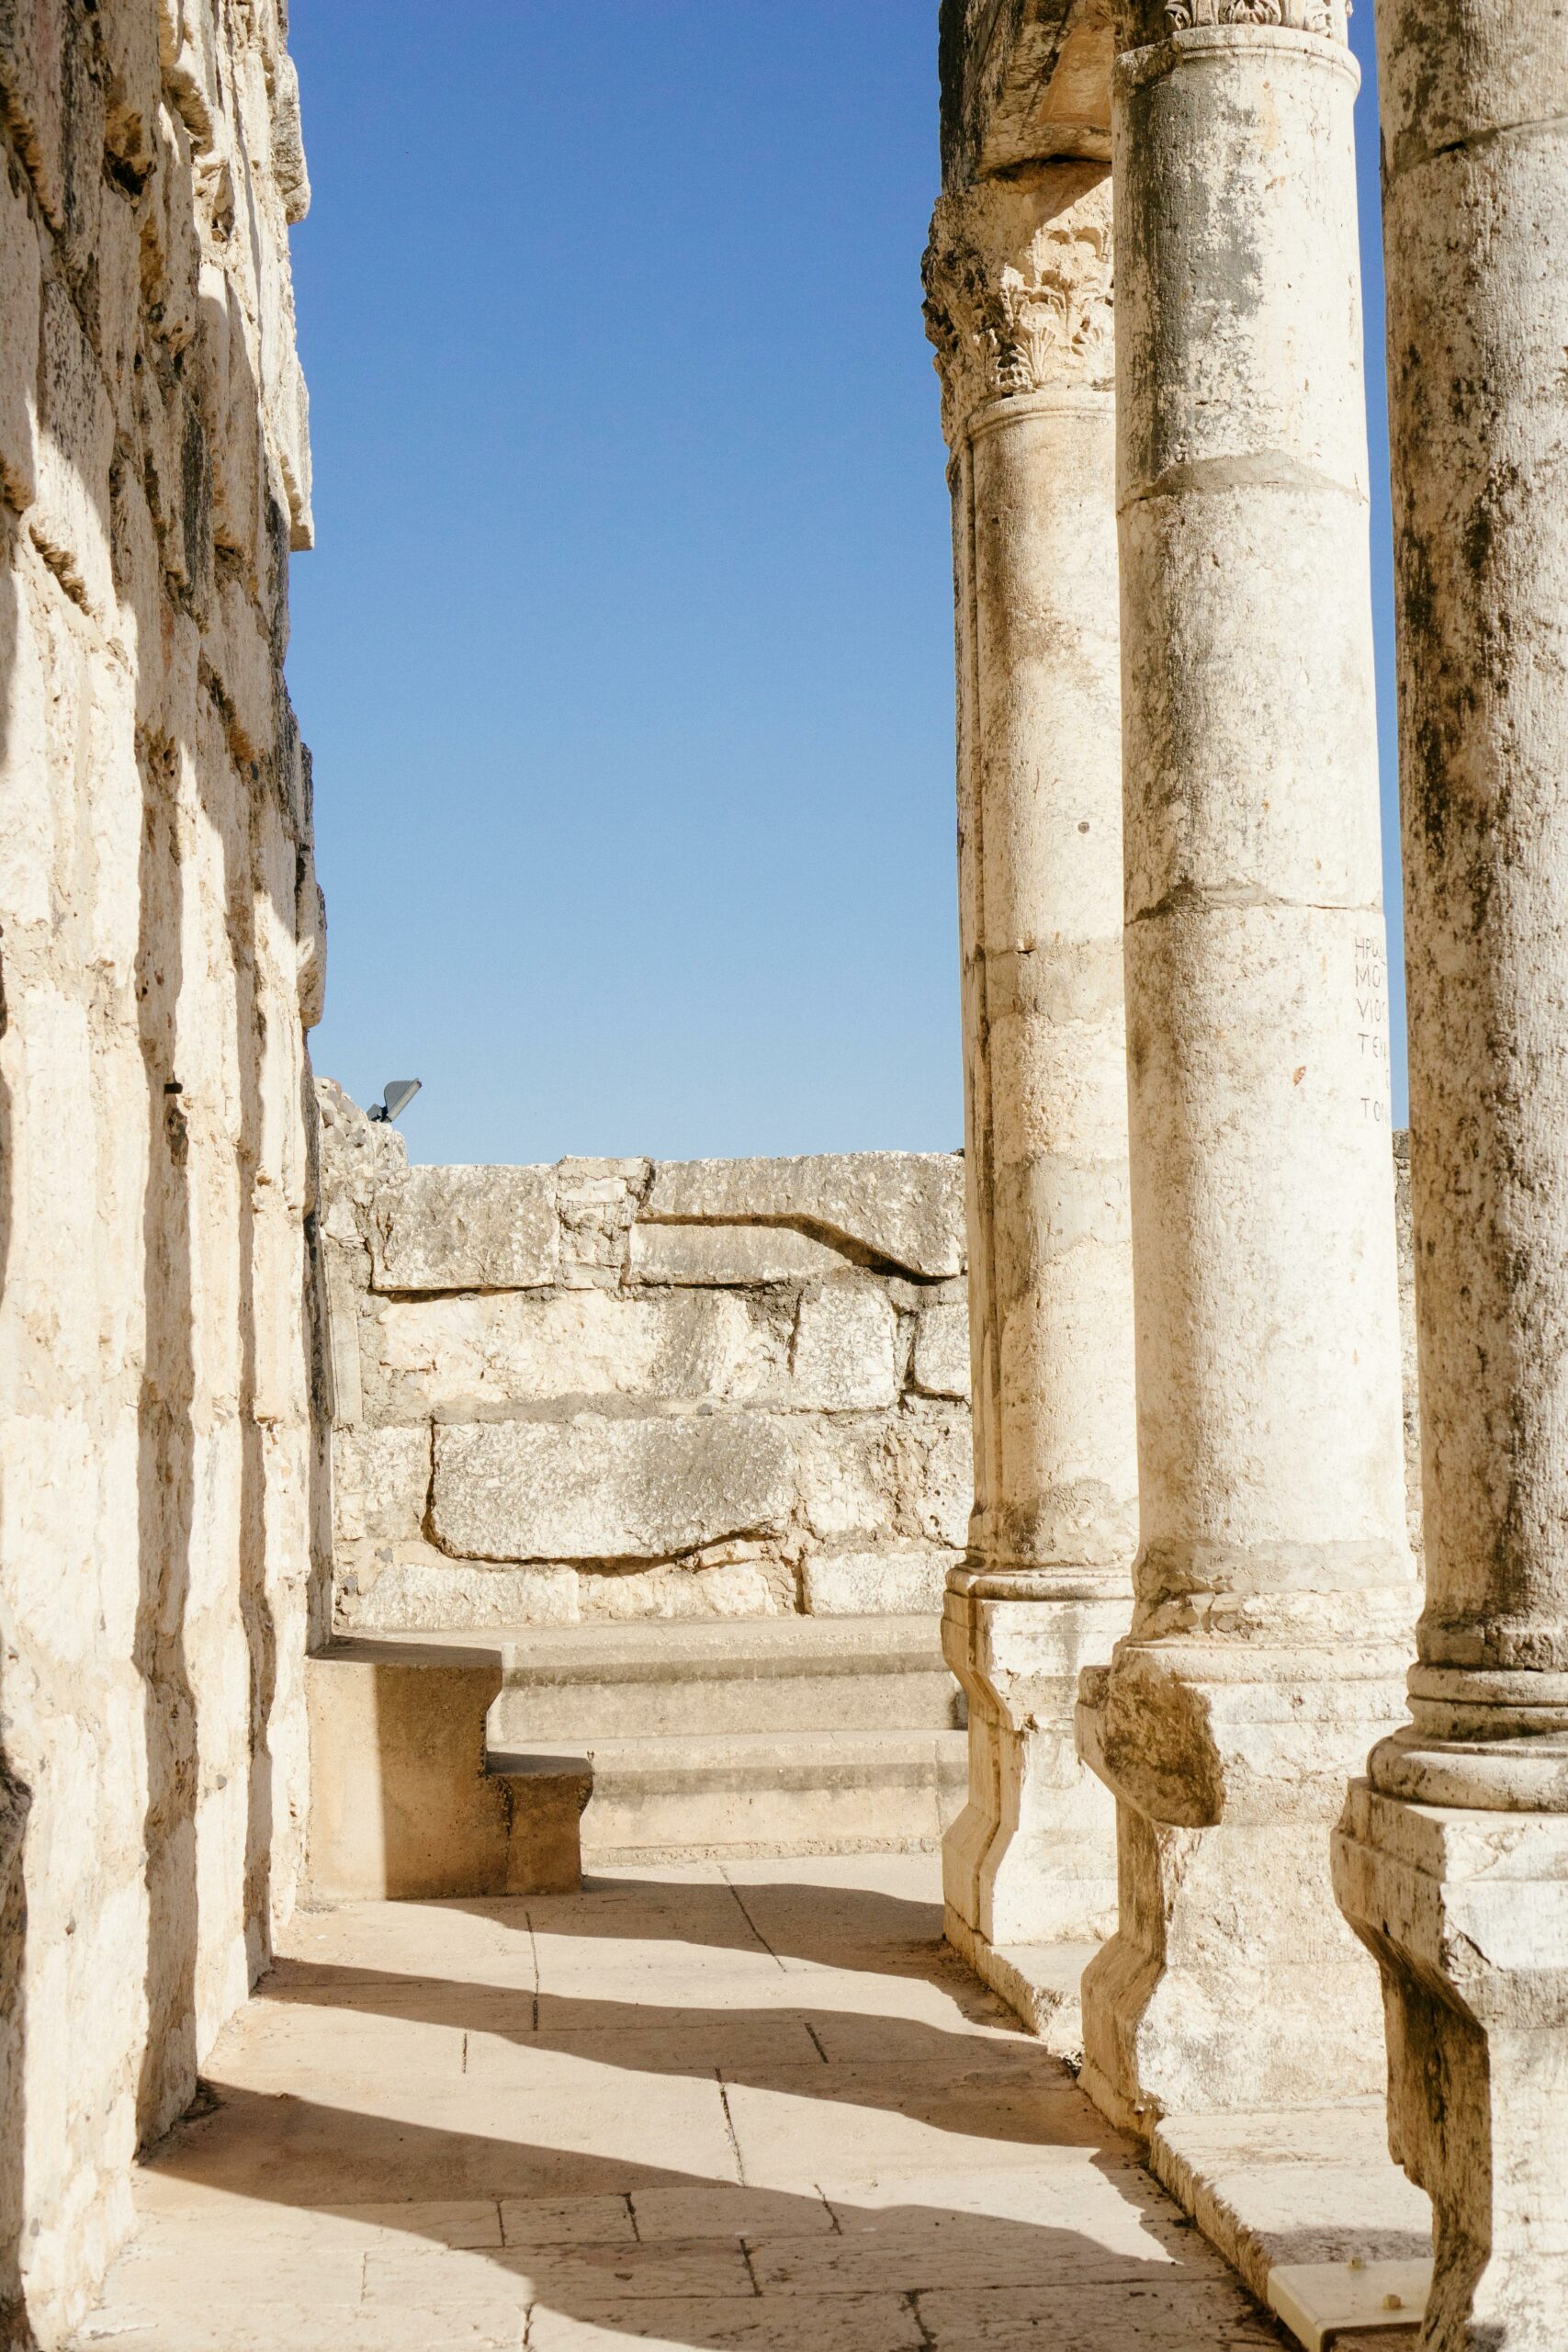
[1019, 280]
[1274, 1581]
[1452, 1861]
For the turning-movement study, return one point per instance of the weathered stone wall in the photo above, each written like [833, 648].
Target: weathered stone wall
[622, 1389]
[160, 935]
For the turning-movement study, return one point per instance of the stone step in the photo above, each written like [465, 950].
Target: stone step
[740, 1794]
[443, 1765]
[581, 1684]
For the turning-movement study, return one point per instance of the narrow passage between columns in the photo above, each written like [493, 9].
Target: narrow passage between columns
[758, 2107]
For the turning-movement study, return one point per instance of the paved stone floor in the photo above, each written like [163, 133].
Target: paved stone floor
[758, 2108]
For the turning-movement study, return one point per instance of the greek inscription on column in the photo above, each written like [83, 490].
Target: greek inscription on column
[1371, 1013]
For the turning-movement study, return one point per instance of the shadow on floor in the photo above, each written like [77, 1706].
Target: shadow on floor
[993, 2087]
[819, 1925]
[890, 2277]
[724, 2165]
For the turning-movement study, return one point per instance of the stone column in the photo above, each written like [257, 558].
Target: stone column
[1452, 1861]
[1274, 1582]
[1019, 273]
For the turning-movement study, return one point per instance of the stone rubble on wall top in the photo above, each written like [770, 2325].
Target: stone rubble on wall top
[358, 1156]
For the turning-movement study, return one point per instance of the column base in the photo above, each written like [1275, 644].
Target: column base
[1030, 1864]
[1038, 1982]
[1466, 1913]
[1232, 1983]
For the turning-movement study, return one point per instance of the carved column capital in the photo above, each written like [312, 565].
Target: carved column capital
[1018, 277]
[1145, 21]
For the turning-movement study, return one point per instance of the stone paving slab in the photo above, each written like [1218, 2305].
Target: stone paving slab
[307, 2326]
[570, 2277]
[1117, 2318]
[838, 1999]
[930, 2252]
[693, 2108]
[713, 2210]
[425, 2142]
[475, 1942]
[889, 2122]
[850, 2036]
[835, 2324]
[575, 2221]
[717, 2043]
[1107, 2172]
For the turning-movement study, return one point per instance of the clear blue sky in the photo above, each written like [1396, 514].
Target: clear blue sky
[625, 651]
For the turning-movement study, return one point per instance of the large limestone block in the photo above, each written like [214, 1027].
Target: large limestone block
[731, 1255]
[592, 1489]
[871, 1478]
[428, 1594]
[930, 1477]
[596, 1200]
[683, 1594]
[940, 1365]
[20, 295]
[845, 1340]
[451, 1355]
[843, 1472]
[904, 1207]
[466, 1228]
[878, 1584]
[360, 1158]
[32, 787]
[380, 1482]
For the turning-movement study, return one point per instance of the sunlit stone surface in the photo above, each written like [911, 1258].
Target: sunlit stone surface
[1019, 276]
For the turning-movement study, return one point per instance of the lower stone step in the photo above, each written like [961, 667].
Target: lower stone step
[786, 1674]
[735, 1794]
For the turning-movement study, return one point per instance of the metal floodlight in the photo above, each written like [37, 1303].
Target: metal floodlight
[400, 1093]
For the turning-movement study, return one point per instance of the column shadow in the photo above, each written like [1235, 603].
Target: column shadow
[946, 2080]
[422, 2182]
[866, 1930]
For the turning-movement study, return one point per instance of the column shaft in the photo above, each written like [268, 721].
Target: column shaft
[1018, 272]
[1274, 1585]
[1453, 1860]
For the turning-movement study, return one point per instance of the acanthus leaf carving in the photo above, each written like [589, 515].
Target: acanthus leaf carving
[1019, 280]
[1056, 310]
[1324, 17]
